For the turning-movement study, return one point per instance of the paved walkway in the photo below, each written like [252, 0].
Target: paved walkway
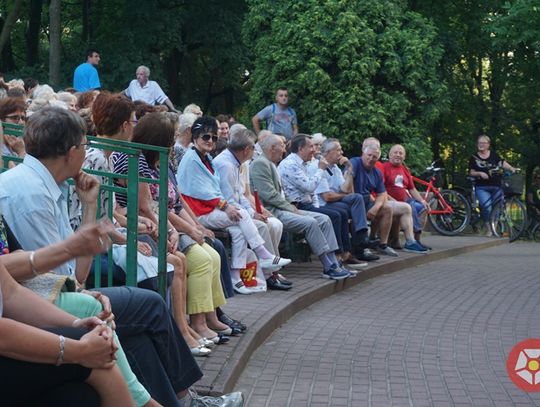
[433, 335]
[265, 312]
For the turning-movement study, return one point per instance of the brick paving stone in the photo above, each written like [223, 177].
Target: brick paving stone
[432, 335]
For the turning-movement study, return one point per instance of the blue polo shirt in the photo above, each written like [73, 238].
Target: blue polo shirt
[366, 181]
[86, 78]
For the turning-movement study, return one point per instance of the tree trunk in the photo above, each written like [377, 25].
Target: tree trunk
[54, 43]
[32, 32]
[9, 22]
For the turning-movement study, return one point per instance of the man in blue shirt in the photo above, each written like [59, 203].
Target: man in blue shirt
[368, 180]
[280, 118]
[86, 75]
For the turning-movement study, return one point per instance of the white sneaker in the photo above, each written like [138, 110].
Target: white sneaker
[240, 288]
[274, 263]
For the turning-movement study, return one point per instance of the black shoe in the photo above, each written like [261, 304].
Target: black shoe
[227, 320]
[282, 278]
[366, 255]
[274, 283]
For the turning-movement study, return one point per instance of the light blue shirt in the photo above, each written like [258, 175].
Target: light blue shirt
[329, 183]
[35, 207]
[86, 78]
[298, 184]
[230, 181]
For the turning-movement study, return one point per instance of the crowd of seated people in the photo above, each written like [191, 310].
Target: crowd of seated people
[221, 177]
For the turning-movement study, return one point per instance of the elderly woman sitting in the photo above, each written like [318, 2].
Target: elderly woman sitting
[200, 185]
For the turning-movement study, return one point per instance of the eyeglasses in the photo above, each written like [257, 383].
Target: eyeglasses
[207, 137]
[16, 118]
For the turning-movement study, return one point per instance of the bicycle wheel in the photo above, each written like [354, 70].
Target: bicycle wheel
[535, 234]
[509, 219]
[450, 224]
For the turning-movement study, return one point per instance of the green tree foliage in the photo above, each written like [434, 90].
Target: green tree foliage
[353, 68]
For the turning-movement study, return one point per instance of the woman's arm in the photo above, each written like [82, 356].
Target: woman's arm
[89, 240]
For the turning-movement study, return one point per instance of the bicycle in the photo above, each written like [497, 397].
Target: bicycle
[449, 212]
[508, 218]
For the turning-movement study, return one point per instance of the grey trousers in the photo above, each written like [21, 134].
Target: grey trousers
[317, 228]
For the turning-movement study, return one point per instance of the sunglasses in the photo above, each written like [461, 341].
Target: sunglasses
[207, 137]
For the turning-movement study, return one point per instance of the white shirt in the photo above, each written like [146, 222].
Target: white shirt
[150, 93]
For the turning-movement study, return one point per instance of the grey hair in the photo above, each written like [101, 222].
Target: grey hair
[235, 128]
[270, 141]
[52, 131]
[186, 121]
[371, 141]
[241, 139]
[173, 117]
[192, 108]
[328, 145]
[371, 147]
[263, 134]
[143, 68]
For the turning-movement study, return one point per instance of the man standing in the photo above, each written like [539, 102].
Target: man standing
[400, 186]
[147, 91]
[280, 118]
[317, 227]
[86, 75]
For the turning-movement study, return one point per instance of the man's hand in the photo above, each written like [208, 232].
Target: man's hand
[372, 213]
[87, 187]
[90, 239]
[323, 164]
[233, 213]
[344, 161]
[483, 175]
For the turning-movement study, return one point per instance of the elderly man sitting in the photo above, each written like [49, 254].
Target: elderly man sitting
[317, 227]
[336, 191]
[299, 186]
[368, 180]
[400, 186]
[228, 163]
[147, 91]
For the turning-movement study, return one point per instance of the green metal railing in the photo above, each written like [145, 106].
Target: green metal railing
[133, 151]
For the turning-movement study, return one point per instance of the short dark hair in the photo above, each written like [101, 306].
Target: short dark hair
[298, 142]
[52, 131]
[282, 88]
[154, 129]
[222, 118]
[30, 83]
[90, 52]
[203, 125]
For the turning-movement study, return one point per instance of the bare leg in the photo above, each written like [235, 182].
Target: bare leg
[403, 211]
[383, 222]
[178, 292]
[198, 323]
[111, 387]
[214, 322]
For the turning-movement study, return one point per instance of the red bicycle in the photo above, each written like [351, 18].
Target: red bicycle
[449, 212]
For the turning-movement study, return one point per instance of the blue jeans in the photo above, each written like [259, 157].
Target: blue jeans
[353, 207]
[416, 210]
[156, 351]
[488, 196]
[340, 222]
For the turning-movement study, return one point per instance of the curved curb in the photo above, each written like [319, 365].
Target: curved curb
[263, 328]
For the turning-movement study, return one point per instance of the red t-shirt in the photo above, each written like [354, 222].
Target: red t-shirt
[397, 181]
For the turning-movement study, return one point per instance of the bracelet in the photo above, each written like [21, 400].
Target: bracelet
[170, 231]
[60, 359]
[32, 264]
